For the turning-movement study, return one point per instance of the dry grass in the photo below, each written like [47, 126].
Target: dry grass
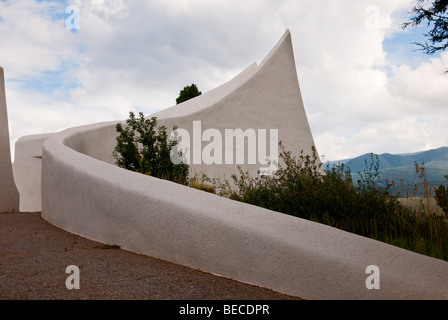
[417, 204]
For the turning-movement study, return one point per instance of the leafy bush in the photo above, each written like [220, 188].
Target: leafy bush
[144, 147]
[441, 196]
[301, 188]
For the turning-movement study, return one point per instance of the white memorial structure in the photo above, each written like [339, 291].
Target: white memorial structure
[71, 178]
[9, 195]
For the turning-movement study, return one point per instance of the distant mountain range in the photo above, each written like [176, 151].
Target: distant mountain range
[400, 168]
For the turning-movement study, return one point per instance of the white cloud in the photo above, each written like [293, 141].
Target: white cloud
[130, 55]
[32, 42]
[352, 96]
[428, 95]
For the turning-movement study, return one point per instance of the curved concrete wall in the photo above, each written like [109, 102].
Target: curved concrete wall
[266, 96]
[27, 169]
[143, 214]
[27, 166]
[82, 192]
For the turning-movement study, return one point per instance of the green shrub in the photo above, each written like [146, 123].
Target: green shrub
[188, 93]
[144, 147]
[441, 196]
[301, 188]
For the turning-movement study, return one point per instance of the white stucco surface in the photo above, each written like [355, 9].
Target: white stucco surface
[9, 195]
[265, 96]
[162, 219]
[27, 169]
[84, 193]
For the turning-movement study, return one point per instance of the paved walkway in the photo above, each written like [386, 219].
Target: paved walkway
[34, 256]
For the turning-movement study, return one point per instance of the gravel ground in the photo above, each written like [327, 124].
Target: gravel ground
[34, 256]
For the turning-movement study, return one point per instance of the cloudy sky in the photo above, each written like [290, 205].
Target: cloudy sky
[364, 86]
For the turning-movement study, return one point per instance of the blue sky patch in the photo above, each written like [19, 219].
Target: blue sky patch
[402, 50]
[52, 82]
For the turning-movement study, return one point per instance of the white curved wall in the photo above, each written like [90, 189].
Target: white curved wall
[84, 194]
[261, 97]
[266, 96]
[27, 169]
[143, 214]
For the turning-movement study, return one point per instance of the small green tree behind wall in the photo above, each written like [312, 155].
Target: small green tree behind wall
[188, 93]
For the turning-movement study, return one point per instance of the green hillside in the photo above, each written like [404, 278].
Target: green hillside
[399, 169]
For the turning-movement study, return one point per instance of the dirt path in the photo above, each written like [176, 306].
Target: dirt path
[34, 256]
